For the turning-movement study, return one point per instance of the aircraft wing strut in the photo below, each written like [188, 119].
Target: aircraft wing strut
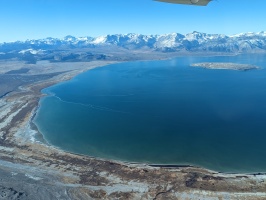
[188, 2]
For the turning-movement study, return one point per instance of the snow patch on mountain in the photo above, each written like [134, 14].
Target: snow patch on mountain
[32, 51]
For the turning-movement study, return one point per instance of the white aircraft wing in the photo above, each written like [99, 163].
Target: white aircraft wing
[188, 2]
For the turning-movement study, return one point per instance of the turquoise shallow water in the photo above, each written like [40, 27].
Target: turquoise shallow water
[163, 112]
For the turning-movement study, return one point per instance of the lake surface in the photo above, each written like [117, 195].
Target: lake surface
[163, 112]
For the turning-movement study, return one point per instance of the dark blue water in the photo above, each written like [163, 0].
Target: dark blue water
[163, 112]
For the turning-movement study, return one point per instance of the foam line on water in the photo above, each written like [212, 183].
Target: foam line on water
[114, 95]
[92, 106]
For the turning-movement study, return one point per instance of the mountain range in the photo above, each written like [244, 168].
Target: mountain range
[175, 42]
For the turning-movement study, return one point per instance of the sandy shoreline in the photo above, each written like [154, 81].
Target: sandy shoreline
[85, 177]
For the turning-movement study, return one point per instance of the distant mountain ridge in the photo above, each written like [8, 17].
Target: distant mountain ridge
[194, 42]
[72, 48]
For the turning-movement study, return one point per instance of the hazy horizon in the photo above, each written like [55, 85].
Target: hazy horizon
[78, 36]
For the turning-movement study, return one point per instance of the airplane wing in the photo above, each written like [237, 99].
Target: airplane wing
[188, 2]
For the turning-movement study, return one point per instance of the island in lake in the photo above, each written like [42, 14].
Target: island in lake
[220, 65]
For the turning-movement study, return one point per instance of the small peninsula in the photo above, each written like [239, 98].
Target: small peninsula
[220, 65]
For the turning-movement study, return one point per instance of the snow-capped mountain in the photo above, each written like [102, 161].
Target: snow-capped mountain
[192, 42]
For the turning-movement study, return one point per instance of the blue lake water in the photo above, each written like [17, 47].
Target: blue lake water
[163, 112]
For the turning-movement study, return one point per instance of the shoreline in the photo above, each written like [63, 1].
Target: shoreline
[83, 172]
[164, 165]
[45, 142]
[156, 165]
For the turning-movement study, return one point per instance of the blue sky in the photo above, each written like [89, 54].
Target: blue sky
[34, 19]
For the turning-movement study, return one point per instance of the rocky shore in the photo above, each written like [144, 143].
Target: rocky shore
[34, 170]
